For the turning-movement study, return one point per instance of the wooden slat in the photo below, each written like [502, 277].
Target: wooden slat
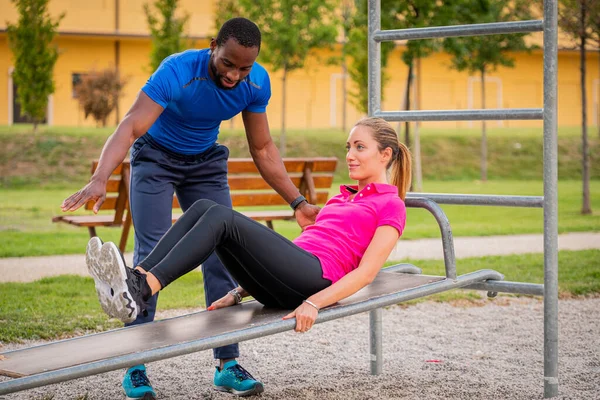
[270, 215]
[109, 204]
[113, 184]
[86, 220]
[117, 170]
[278, 215]
[324, 165]
[244, 199]
[256, 182]
[256, 199]
[253, 182]
[246, 165]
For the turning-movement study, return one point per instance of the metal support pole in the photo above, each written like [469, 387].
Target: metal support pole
[376, 338]
[550, 200]
[374, 58]
[374, 106]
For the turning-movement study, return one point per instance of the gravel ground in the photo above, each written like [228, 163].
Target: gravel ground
[491, 350]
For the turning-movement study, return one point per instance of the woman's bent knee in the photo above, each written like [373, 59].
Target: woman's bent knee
[202, 205]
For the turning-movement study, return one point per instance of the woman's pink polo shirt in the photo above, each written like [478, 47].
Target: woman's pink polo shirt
[344, 227]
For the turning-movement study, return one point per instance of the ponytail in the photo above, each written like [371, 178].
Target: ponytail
[402, 170]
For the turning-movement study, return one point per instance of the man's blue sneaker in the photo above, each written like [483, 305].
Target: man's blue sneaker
[137, 385]
[233, 378]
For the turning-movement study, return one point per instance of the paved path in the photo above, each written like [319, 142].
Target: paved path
[27, 269]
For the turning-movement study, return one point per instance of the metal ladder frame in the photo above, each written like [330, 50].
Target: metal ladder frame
[548, 114]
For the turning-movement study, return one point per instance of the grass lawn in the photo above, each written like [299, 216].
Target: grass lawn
[63, 306]
[26, 228]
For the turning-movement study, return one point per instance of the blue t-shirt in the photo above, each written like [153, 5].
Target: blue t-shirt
[194, 105]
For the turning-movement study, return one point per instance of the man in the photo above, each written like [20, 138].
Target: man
[175, 122]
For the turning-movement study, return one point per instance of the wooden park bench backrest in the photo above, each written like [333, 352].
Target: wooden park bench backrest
[313, 177]
[117, 192]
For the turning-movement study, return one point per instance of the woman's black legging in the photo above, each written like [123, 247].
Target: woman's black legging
[271, 268]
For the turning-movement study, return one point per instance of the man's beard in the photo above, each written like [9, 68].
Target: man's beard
[217, 78]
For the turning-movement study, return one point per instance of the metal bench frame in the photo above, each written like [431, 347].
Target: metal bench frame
[548, 114]
[487, 280]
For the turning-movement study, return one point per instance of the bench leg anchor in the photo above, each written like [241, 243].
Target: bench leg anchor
[375, 332]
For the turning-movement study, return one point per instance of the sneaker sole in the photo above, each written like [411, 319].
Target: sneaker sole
[146, 396]
[92, 260]
[110, 278]
[257, 389]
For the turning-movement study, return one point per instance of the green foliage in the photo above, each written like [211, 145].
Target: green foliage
[166, 29]
[30, 41]
[422, 14]
[484, 53]
[98, 93]
[357, 49]
[580, 18]
[594, 13]
[291, 30]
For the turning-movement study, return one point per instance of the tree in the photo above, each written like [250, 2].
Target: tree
[166, 30]
[357, 49]
[418, 14]
[30, 41]
[483, 54]
[346, 22]
[574, 18]
[291, 31]
[594, 14]
[98, 93]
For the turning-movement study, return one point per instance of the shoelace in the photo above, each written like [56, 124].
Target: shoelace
[139, 378]
[240, 373]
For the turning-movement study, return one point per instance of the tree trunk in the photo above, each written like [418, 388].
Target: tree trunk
[344, 73]
[409, 79]
[344, 94]
[283, 90]
[417, 146]
[483, 132]
[585, 207]
[35, 127]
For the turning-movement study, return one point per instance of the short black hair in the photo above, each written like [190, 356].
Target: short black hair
[244, 31]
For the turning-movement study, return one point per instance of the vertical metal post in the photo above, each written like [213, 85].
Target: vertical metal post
[374, 105]
[374, 58]
[375, 335]
[550, 200]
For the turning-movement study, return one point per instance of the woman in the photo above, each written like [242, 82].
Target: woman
[341, 253]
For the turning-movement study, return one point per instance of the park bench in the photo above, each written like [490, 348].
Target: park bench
[312, 176]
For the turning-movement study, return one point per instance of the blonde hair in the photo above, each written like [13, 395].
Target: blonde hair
[401, 162]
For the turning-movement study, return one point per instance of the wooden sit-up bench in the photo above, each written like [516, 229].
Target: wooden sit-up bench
[312, 176]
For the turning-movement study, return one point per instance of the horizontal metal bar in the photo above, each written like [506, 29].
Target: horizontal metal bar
[509, 287]
[462, 115]
[128, 360]
[491, 28]
[479, 199]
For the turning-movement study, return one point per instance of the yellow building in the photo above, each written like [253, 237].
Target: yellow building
[97, 34]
